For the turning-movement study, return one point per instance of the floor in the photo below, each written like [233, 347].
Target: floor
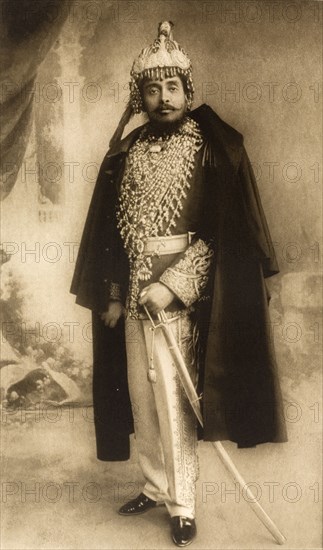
[57, 495]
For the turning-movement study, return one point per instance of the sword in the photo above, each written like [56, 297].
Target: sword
[194, 400]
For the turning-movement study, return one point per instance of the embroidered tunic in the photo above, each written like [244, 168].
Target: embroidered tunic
[161, 195]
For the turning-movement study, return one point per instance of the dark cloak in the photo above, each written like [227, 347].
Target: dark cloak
[238, 372]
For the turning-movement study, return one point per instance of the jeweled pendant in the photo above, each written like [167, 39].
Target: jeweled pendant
[156, 148]
[140, 246]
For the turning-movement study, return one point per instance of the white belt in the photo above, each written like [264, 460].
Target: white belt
[167, 245]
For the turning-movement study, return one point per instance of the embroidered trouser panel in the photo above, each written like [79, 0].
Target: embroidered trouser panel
[165, 424]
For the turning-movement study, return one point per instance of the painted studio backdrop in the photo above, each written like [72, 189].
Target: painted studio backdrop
[64, 86]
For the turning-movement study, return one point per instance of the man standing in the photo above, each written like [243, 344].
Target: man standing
[176, 225]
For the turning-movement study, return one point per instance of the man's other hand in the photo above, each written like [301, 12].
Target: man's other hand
[156, 297]
[112, 315]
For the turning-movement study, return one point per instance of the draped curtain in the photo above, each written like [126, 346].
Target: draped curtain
[28, 28]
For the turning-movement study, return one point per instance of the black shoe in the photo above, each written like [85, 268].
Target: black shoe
[138, 505]
[183, 530]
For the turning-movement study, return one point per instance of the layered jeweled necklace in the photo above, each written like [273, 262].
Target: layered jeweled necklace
[154, 185]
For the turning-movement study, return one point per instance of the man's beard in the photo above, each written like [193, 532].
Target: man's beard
[166, 127]
[162, 128]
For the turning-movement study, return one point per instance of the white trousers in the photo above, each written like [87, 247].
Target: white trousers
[165, 424]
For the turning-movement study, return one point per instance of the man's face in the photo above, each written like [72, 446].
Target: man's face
[164, 100]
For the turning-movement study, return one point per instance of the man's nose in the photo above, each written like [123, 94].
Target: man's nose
[164, 96]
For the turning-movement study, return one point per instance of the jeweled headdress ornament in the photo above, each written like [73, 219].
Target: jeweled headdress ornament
[164, 58]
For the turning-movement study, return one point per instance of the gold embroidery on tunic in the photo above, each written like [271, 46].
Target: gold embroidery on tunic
[115, 291]
[188, 278]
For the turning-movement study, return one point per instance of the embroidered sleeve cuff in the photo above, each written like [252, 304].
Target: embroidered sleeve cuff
[115, 291]
[188, 277]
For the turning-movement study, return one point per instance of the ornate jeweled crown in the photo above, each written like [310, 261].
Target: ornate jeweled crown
[162, 59]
